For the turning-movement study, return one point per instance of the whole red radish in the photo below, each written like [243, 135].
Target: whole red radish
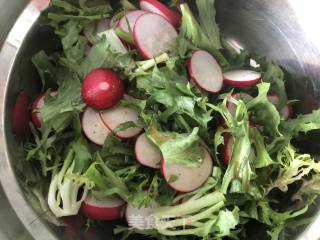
[102, 88]
[21, 115]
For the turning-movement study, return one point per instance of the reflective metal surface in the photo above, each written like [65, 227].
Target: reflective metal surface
[283, 30]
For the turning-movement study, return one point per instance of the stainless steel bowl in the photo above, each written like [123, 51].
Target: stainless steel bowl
[285, 31]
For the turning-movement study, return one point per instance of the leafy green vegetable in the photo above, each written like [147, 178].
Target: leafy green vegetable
[267, 179]
[59, 110]
[205, 32]
[264, 112]
[293, 167]
[63, 192]
[263, 158]
[178, 148]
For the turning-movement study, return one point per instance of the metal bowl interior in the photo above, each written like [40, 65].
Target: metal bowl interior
[283, 31]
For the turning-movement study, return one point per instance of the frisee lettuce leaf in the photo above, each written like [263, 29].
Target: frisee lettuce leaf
[178, 148]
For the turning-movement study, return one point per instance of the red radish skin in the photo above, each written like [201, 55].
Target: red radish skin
[237, 96]
[227, 148]
[147, 154]
[188, 178]
[36, 105]
[140, 218]
[21, 115]
[93, 127]
[112, 118]
[102, 209]
[154, 35]
[241, 78]
[157, 7]
[205, 71]
[130, 18]
[36, 117]
[102, 88]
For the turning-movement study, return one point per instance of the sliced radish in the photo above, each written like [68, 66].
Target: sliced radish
[157, 7]
[227, 148]
[141, 218]
[93, 127]
[154, 35]
[188, 178]
[117, 115]
[205, 71]
[273, 98]
[130, 18]
[102, 209]
[147, 153]
[287, 111]
[241, 78]
[21, 115]
[36, 105]
[237, 96]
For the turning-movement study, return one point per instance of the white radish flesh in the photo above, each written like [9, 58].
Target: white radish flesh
[205, 71]
[102, 209]
[93, 127]
[157, 7]
[128, 21]
[154, 35]
[147, 153]
[117, 115]
[188, 178]
[241, 78]
[115, 43]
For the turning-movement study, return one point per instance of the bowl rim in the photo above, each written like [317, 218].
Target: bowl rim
[26, 214]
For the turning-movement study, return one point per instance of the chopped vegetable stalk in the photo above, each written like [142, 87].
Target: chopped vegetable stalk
[63, 192]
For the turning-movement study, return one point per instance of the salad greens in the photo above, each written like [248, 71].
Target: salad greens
[178, 118]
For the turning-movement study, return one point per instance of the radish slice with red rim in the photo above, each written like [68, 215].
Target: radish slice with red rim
[141, 218]
[36, 105]
[187, 179]
[157, 7]
[154, 35]
[237, 96]
[93, 127]
[227, 148]
[147, 153]
[241, 78]
[287, 112]
[102, 209]
[130, 18]
[205, 71]
[117, 115]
